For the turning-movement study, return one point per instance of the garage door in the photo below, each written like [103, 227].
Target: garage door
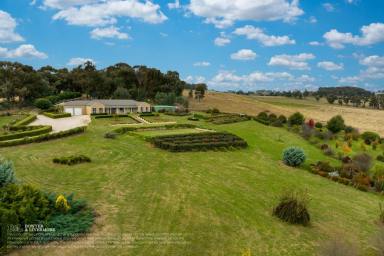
[73, 111]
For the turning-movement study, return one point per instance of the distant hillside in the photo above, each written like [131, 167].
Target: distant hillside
[343, 91]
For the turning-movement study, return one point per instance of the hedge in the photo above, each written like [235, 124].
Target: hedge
[71, 160]
[40, 130]
[27, 120]
[149, 114]
[56, 115]
[110, 116]
[126, 129]
[43, 137]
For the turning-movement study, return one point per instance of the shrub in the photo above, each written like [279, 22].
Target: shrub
[110, 135]
[27, 120]
[349, 129]
[292, 208]
[43, 103]
[362, 179]
[380, 158]
[277, 123]
[370, 137]
[336, 124]
[61, 204]
[329, 152]
[296, 119]
[7, 174]
[28, 133]
[311, 123]
[71, 160]
[318, 125]
[323, 166]
[293, 156]
[306, 131]
[363, 162]
[57, 115]
[282, 119]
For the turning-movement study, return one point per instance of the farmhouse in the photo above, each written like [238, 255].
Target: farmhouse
[87, 107]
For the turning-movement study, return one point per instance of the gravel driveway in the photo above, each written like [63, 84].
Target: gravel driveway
[62, 124]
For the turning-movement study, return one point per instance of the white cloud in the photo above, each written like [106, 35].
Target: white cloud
[101, 13]
[371, 34]
[330, 66]
[328, 7]
[163, 34]
[226, 80]
[23, 51]
[298, 62]
[224, 13]
[222, 40]
[64, 4]
[108, 32]
[315, 43]
[79, 61]
[244, 54]
[374, 70]
[252, 33]
[195, 79]
[175, 5]
[312, 19]
[7, 29]
[202, 64]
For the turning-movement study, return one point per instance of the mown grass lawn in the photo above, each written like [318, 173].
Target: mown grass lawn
[220, 202]
[154, 133]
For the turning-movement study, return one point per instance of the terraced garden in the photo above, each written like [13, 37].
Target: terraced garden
[215, 202]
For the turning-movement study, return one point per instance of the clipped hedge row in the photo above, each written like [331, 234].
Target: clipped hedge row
[110, 116]
[149, 114]
[198, 141]
[228, 118]
[71, 160]
[57, 115]
[27, 120]
[43, 137]
[126, 129]
[28, 133]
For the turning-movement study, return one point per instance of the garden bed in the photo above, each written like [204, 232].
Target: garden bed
[228, 118]
[198, 142]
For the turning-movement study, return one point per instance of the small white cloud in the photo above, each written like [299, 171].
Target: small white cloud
[298, 62]
[175, 5]
[312, 19]
[163, 34]
[202, 64]
[79, 61]
[244, 54]
[371, 34]
[23, 51]
[108, 32]
[330, 66]
[7, 29]
[329, 7]
[195, 79]
[222, 40]
[252, 33]
[315, 43]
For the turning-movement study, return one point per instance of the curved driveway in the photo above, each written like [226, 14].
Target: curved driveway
[62, 124]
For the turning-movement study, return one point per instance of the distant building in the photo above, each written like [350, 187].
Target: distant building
[87, 107]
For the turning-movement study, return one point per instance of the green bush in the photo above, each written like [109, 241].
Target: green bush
[370, 137]
[296, 119]
[43, 103]
[336, 124]
[293, 156]
[72, 160]
[318, 125]
[380, 158]
[110, 116]
[292, 208]
[43, 137]
[282, 119]
[27, 120]
[57, 115]
[27, 133]
[7, 174]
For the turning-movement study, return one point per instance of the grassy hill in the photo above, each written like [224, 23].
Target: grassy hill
[363, 118]
[212, 203]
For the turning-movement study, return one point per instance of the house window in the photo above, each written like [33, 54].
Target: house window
[93, 110]
[121, 110]
[101, 110]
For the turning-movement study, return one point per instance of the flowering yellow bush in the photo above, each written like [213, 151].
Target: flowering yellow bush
[346, 149]
[62, 203]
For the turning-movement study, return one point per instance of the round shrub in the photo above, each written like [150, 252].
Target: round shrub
[318, 125]
[370, 137]
[282, 118]
[43, 103]
[7, 174]
[293, 156]
[336, 124]
[292, 208]
[296, 119]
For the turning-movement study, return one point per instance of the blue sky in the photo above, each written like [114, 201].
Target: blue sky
[230, 45]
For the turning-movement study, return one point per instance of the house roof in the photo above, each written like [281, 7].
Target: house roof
[107, 103]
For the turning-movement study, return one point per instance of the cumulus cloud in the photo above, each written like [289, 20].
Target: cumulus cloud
[315, 43]
[225, 80]
[298, 62]
[312, 19]
[202, 64]
[7, 29]
[222, 40]
[252, 33]
[64, 4]
[329, 7]
[108, 32]
[374, 70]
[330, 66]
[23, 51]
[195, 79]
[102, 13]
[224, 13]
[371, 34]
[79, 61]
[174, 5]
[244, 54]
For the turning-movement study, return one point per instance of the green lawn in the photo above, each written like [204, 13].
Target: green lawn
[7, 119]
[220, 202]
[155, 133]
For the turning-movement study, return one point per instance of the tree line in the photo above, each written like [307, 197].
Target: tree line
[22, 84]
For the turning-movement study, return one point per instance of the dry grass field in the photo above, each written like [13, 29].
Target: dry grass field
[362, 118]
